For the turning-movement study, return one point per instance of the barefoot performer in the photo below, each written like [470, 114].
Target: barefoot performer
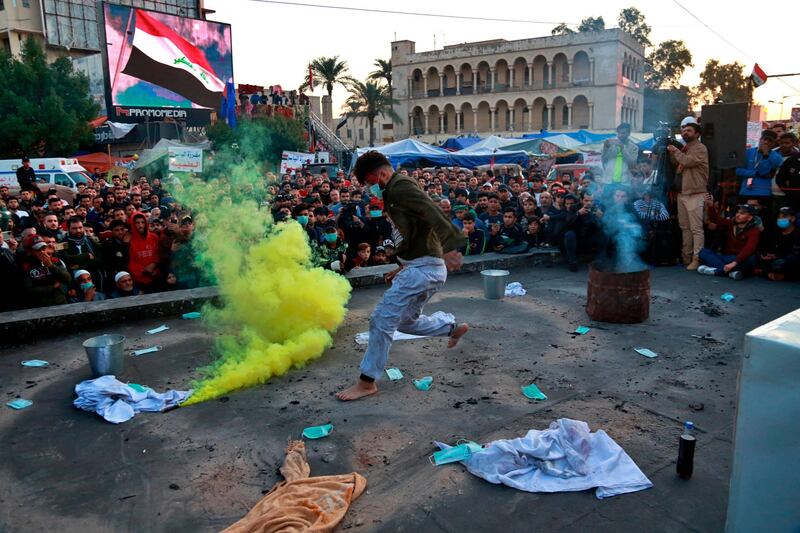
[427, 251]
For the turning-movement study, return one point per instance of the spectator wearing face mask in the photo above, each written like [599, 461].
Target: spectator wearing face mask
[780, 257]
[84, 289]
[376, 228]
[332, 251]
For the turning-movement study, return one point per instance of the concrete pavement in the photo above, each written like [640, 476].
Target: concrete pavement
[202, 467]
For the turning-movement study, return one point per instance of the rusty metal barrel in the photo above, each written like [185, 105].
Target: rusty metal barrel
[618, 297]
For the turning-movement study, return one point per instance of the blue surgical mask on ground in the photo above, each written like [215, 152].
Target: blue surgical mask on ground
[302, 219]
[376, 214]
[458, 453]
[783, 223]
[86, 286]
[375, 190]
[331, 237]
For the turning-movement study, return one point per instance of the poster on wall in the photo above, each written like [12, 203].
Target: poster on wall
[185, 159]
[161, 66]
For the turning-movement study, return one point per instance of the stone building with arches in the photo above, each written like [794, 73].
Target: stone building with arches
[567, 82]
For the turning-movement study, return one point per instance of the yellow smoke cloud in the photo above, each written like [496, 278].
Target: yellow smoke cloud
[278, 310]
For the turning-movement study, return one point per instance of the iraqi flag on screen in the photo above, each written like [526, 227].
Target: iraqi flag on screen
[164, 58]
[758, 76]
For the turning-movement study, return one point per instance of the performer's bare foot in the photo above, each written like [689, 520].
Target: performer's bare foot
[458, 332]
[359, 390]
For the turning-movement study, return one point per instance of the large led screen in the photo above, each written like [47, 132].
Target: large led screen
[156, 60]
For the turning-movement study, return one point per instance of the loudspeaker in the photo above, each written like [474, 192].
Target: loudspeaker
[725, 134]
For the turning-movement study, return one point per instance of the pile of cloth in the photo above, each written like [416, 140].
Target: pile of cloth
[118, 402]
[565, 457]
[302, 503]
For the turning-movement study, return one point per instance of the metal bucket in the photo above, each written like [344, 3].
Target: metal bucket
[494, 283]
[106, 354]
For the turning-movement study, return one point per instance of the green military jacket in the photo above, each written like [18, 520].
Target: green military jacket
[425, 229]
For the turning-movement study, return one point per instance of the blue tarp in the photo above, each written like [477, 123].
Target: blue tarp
[484, 157]
[489, 143]
[453, 144]
[411, 152]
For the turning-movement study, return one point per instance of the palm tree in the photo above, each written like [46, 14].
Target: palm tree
[328, 71]
[383, 72]
[368, 100]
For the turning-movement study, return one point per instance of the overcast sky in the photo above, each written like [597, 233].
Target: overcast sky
[273, 43]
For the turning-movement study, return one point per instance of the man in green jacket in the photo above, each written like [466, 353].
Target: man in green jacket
[428, 249]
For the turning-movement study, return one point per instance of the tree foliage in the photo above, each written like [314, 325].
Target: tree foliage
[665, 65]
[383, 71]
[328, 72]
[562, 29]
[631, 21]
[368, 100]
[45, 109]
[592, 24]
[725, 82]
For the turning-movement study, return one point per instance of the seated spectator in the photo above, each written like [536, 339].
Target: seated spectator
[82, 252]
[45, 278]
[376, 228]
[10, 297]
[390, 247]
[332, 251]
[492, 216]
[115, 248]
[780, 259]
[662, 243]
[583, 231]
[529, 210]
[361, 259]
[762, 162]
[510, 237]
[144, 254]
[84, 289]
[738, 255]
[124, 286]
[379, 257]
[554, 219]
[534, 236]
[477, 240]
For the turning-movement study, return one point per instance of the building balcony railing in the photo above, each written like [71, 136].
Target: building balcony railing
[467, 90]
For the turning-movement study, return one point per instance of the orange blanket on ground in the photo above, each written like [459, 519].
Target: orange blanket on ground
[302, 503]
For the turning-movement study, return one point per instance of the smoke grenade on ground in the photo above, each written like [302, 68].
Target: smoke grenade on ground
[278, 311]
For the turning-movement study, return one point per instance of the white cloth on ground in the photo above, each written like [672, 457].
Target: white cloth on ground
[515, 289]
[118, 402]
[566, 457]
[363, 337]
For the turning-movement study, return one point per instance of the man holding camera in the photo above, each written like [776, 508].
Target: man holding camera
[692, 163]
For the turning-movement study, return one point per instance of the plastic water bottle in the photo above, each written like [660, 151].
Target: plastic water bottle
[686, 451]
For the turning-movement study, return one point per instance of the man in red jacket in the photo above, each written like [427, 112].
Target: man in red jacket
[144, 254]
[741, 242]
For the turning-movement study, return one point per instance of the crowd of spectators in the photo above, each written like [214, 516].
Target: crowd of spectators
[117, 239]
[129, 236]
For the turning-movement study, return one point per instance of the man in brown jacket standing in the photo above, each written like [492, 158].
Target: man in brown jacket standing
[429, 248]
[692, 163]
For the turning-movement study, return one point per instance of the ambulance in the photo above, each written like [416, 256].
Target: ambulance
[49, 171]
